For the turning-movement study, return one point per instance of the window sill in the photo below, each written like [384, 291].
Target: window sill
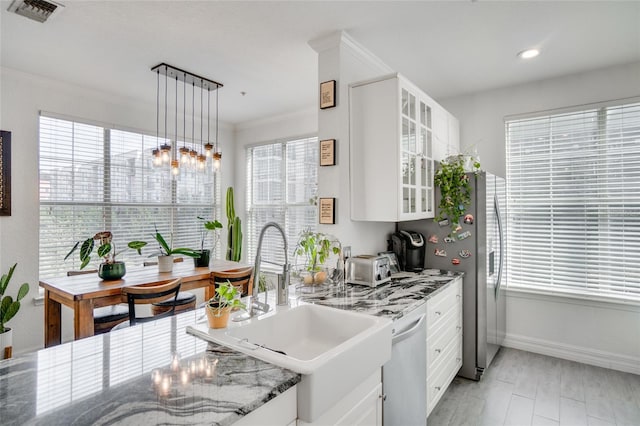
[574, 298]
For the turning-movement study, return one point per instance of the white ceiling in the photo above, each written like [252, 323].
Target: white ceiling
[447, 48]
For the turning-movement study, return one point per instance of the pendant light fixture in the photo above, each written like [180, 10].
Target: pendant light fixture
[217, 155]
[157, 159]
[191, 157]
[165, 148]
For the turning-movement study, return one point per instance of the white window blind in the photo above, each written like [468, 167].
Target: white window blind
[95, 179]
[573, 182]
[282, 180]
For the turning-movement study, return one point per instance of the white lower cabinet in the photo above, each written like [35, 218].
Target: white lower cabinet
[361, 407]
[444, 341]
[281, 410]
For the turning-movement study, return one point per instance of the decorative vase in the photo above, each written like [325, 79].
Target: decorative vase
[217, 317]
[165, 263]
[111, 271]
[6, 341]
[203, 260]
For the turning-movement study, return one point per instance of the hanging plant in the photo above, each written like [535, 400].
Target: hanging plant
[455, 189]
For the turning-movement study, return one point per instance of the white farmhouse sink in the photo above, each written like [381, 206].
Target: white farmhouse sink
[334, 350]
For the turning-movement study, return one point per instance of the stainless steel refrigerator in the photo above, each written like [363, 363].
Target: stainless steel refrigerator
[478, 249]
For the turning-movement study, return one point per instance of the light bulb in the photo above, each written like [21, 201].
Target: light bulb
[184, 155]
[217, 157]
[175, 167]
[208, 149]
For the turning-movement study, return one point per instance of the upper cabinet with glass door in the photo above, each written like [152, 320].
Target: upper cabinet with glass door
[391, 150]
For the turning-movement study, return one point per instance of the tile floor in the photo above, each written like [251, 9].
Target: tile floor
[522, 388]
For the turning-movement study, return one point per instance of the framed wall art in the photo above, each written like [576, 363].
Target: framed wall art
[327, 211]
[328, 94]
[328, 152]
[5, 173]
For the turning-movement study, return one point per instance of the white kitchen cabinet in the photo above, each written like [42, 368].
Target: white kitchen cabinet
[280, 411]
[361, 407]
[391, 150]
[444, 341]
[446, 134]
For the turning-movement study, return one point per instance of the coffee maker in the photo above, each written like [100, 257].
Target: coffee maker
[409, 246]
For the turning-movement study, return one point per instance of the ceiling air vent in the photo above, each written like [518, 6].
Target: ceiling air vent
[38, 10]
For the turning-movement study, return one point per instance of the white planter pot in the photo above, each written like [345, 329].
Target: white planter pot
[165, 263]
[6, 339]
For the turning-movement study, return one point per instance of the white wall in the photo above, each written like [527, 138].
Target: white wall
[595, 332]
[22, 97]
[342, 59]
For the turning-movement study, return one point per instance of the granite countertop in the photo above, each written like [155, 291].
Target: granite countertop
[392, 300]
[111, 379]
[117, 378]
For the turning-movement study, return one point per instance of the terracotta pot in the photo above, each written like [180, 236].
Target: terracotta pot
[6, 340]
[218, 317]
[165, 263]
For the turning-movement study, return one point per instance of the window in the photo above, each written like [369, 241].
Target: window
[573, 183]
[282, 182]
[94, 178]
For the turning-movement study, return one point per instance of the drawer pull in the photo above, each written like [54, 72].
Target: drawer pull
[458, 359]
[458, 296]
[438, 313]
[437, 350]
[458, 327]
[437, 388]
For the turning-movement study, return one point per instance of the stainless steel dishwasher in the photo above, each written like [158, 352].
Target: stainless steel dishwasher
[404, 376]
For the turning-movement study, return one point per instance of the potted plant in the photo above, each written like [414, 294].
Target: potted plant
[315, 248]
[455, 189]
[165, 251]
[220, 305]
[8, 309]
[234, 230]
[110, 268]
[205, 254]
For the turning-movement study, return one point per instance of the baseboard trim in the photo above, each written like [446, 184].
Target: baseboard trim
[574, 353]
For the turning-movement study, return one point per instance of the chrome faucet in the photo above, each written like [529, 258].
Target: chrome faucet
[282, 291]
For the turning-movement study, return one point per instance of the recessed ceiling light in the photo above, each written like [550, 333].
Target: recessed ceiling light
[529, 53]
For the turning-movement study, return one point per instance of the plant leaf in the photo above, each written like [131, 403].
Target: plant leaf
[72, 250]
[11, 310]
[137, 245]
[163, 244]
[22, 291]
[104, 249]
[85, 251]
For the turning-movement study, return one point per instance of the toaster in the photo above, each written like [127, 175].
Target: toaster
[368, 270]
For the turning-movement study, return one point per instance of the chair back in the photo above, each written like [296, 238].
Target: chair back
[155, 262]
[239, 278]
[150, 294]
[85, 272]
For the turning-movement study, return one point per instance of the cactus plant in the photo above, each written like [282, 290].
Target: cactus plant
[234, 226]
[9, 307]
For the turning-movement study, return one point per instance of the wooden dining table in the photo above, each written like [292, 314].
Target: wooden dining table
[83, 293]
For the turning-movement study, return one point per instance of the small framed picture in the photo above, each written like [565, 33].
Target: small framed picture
[327, 211]
[328, 94]
[327, 152]
[394, 266]
[5, 173]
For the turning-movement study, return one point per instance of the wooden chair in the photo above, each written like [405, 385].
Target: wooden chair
[147, 295]
[155, 262]
[239, 278]
[186, 301]
[106, 317]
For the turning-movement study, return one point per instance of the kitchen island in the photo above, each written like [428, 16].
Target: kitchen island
[118, 377]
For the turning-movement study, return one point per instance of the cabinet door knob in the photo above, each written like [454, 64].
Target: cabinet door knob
[438, 350]
[383, 397]
[458, 327]
[438, 313]
[437, 388]
[458, 359]
[458, 296]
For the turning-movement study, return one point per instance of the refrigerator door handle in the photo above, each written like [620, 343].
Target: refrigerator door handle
[496, 207]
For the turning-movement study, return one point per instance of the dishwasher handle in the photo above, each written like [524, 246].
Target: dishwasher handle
[408, 331]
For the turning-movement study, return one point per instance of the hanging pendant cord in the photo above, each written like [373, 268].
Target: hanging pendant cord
[184, 111]
[157, 107]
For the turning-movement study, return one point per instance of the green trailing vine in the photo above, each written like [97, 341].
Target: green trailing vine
[455, 188]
